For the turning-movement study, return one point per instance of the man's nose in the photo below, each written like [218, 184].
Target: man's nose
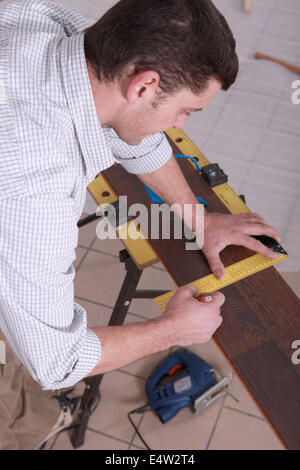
[180, 122]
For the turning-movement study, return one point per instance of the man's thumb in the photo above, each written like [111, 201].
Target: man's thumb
[217, 267]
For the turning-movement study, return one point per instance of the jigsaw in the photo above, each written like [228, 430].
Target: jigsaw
[184, 379]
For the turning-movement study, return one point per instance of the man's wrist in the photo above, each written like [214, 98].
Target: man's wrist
[163, 331]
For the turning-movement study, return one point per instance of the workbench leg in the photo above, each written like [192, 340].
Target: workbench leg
[91, 396]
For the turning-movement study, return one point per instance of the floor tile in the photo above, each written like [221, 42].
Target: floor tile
[288, 5]
[291, 238]
[87, 233]
[262, 77]
[99, 278]
[271, 187]
[279, 150]
[286, 116]
[91, 205]
[236, 431]
[281, 48]
[293, 280]
[186, 431]
[253, 23]
[151, 279]
[91, 10]
[120, 393]
[231, 138]
[112, 246]
[80, 253]
[241, 400]
[250, 109]
[235, 168]
[285, 24]
[97, 315]
[93, 441]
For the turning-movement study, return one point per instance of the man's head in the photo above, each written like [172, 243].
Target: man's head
[166, 56]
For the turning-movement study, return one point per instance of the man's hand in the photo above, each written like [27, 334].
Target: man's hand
[221, 230]
[193, 322]
[186, 321]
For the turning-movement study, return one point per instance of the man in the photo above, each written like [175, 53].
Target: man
[138, 71]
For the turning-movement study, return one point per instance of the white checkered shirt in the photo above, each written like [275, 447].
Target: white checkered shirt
[51, 147]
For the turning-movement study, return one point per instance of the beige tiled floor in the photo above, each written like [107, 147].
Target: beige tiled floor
[233, 423]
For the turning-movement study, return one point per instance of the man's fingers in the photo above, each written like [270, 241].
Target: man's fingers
[262, 226]
[262, 229]
[218, 298]
[256, 217]
[249, 216]
[215, 265]
[257, 246]
[210, 298]
[189, 291]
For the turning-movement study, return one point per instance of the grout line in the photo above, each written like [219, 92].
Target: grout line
[112, 307]
[112, 437]
[131, 374]
[229, 7]
[135, 434]
[205, 143]
[116, 256]
[233, 397]
[279, 99]
[281, 169]
[81, 261]
[216, 422]
[84, 256]
[104, 252]
[244, 413]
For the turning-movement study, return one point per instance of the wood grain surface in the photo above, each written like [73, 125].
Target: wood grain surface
[261, 313]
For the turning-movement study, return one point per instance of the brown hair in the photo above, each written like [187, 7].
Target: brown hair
[187, 42]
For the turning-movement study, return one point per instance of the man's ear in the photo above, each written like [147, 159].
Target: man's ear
[144, 83]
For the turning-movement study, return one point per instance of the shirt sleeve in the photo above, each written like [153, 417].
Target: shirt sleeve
[45, 327]
[151, 154]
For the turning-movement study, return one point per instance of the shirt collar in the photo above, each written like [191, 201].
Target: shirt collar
[95, 150]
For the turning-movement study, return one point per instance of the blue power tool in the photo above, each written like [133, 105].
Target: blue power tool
[183, 379]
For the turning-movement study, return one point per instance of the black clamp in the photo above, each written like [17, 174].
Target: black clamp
[214, 175]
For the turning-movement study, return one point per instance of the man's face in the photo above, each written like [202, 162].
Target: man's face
[147, 117]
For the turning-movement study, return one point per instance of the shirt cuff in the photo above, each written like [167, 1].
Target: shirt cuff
[90, 354]
[150, 155]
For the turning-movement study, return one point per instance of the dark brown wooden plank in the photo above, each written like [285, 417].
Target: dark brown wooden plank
[235, 317]
[261, 314]
[265, 372]
[278, 309]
